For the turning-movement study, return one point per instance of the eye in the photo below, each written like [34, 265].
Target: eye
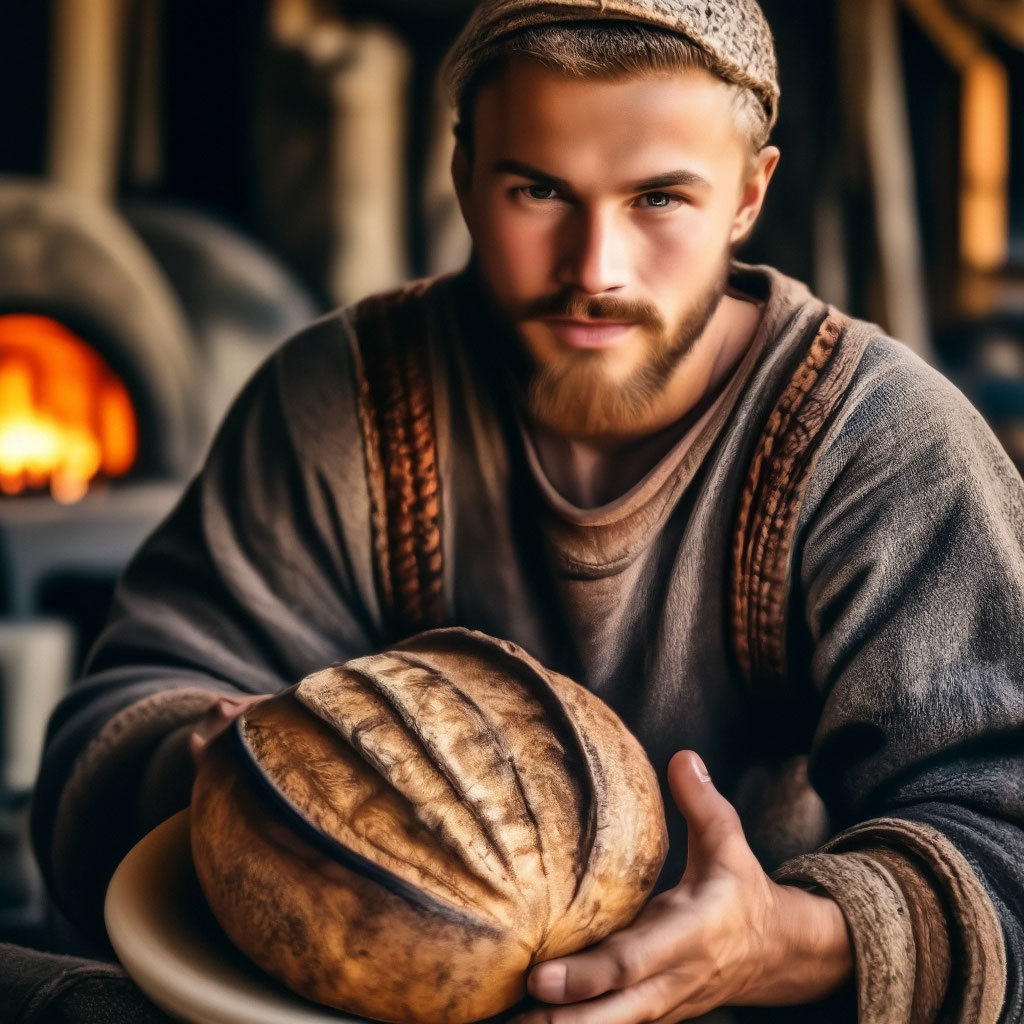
[539, 193]
[659, 201]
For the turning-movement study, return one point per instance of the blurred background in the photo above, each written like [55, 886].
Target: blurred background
[183, 183]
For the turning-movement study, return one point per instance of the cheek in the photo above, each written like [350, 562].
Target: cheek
[681, 249]
[680, 261]
[516, 248]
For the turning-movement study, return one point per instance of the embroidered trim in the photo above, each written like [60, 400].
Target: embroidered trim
[771, 500]
[978, 982]
[397, 418]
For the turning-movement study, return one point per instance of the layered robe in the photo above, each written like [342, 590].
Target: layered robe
[904, 703]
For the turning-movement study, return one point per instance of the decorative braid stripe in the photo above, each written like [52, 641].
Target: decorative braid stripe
[397, 417]
[770, 504]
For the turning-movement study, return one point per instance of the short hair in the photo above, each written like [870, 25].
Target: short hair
[606, 50]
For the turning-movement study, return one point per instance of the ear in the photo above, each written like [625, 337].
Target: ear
[753, 191]
[462, 178]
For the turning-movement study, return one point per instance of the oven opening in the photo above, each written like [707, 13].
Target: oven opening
[66, 419]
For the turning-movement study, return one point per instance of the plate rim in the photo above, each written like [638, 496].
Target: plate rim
[200, 997]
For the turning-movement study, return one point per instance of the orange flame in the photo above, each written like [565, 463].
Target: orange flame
[65, 418]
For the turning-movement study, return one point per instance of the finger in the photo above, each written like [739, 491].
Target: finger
[230, 706]
[224, 711]
[646, 1002]
[713, 826]
[611, 965]
[215, 720]
[656, 941]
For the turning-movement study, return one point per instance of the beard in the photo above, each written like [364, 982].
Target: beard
[578, 398]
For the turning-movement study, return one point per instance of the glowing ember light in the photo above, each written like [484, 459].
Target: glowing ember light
[65, 418]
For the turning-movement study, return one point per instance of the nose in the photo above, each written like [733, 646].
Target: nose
[595, 253]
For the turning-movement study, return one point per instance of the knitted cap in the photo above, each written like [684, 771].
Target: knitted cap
[734, 33]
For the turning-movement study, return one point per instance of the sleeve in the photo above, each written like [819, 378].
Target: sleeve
[911, 573]
[260, 575]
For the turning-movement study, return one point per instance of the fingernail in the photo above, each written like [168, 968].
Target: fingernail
[549, 982]
[702, 771]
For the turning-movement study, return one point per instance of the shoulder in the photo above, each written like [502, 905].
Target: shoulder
[864, 397]
[904, 434]
[898, 401]
[330, 342]
[317, 372]
[888, 394]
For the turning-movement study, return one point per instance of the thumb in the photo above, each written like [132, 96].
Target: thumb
[713, 826]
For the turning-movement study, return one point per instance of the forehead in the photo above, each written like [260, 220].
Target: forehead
[570, 125]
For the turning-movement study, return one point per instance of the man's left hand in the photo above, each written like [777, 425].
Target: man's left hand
[725, 935]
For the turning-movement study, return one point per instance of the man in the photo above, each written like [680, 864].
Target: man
[602, 379]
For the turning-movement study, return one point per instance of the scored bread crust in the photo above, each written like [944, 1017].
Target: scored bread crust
[464, 814]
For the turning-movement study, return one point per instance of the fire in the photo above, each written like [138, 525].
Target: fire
[65, 418]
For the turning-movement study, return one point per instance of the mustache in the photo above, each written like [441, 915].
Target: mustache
[574, 306]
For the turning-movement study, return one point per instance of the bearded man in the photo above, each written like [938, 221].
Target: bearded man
[603, 383]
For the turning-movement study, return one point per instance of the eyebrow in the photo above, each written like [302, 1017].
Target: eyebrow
[670, 179]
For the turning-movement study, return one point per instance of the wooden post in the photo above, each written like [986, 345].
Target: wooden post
[146, 157]
[85, 127]
[984, 218]
[876, 95]
[365, 71]
[370, 194]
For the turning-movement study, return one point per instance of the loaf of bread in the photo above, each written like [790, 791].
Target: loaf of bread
[404, 836]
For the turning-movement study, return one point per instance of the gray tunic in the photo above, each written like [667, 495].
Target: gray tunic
[905, 646]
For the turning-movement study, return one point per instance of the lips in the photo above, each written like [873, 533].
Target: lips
[589, 334]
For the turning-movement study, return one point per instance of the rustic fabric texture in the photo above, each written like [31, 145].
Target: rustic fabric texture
[395, 410]
[934, 946]
[770, 503]
[41, 988]
[91, 812]
[734, 33]
[905, 648]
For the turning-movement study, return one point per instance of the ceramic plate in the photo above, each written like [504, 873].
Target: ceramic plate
[168, 941]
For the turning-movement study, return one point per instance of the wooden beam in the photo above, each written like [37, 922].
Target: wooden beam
[1002, 16]
[958, 43]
